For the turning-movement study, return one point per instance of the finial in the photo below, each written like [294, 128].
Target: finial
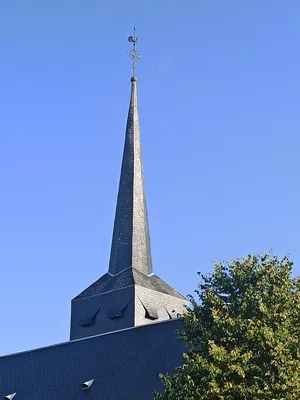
[133, 53]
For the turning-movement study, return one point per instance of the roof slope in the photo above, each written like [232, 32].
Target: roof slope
[129, 277]
[124, 365]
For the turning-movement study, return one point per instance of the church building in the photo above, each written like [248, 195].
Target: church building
[124, 327]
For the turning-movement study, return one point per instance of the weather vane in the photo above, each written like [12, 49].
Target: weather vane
[133, 53]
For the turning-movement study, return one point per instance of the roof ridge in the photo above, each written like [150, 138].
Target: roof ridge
[69, 342]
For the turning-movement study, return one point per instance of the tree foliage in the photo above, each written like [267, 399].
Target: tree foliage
[243, 335]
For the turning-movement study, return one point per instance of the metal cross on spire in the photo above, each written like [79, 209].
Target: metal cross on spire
[133, 53]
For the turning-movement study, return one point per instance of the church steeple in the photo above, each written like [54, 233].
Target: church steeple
[129, 294]
[131, 241]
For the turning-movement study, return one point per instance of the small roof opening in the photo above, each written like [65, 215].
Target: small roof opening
[86, 385]
[9, 396]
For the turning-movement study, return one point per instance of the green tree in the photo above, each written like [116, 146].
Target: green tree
[243, 335]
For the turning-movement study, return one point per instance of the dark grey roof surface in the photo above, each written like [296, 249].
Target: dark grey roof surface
[131, 238]
[110, 311]
[129, 277]
[125, 364]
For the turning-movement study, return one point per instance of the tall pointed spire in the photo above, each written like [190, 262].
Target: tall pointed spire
[129, 294]
[131, 241]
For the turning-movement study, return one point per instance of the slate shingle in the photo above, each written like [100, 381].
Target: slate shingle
[124, 364]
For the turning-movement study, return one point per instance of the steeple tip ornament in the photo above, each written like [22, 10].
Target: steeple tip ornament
[133, 53]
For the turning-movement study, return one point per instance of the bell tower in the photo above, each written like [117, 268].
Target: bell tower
[129, 294]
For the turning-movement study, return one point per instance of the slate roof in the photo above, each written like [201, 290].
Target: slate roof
[124, 365]
[129, 294]
[129, 277]
[131, 239]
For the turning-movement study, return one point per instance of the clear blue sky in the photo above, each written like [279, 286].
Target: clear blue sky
[219, 88]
